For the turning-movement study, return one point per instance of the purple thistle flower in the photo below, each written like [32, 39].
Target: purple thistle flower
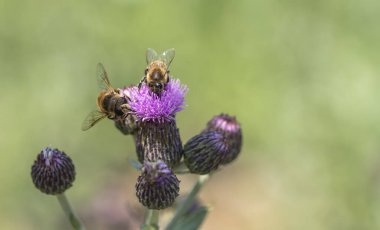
[148, 106]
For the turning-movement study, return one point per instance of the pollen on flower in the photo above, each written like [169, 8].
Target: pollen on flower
[148, 106]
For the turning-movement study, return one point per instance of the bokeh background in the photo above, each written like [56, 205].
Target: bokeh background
[302, 77]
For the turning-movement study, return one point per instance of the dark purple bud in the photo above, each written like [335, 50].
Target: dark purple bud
[204, 152]
[53, 171]
[158, 186]
[230, 128]
[159, 141]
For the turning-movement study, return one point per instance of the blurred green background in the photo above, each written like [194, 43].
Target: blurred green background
[302, 77]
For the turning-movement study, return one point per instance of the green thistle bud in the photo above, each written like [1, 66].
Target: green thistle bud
[53, 171]
[204, 152]
[158, 186]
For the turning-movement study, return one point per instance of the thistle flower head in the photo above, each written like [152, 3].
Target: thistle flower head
[204, 152]
[158, 186]
[53, 171]
[230, 128]
[159, 141]
[223, 123]
[218, 144]
[148, 106]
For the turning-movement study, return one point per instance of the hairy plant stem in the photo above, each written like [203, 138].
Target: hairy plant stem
[151, 220]
[74, 220]
[181, 168]
[182, 209]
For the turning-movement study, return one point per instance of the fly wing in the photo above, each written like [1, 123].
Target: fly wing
[151, 55]
[91, 119]
[167, 56]
[103, 81]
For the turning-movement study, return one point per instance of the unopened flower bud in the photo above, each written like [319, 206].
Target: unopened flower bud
[53, 171]
[230, 128]
[158, 186]
[204, 152]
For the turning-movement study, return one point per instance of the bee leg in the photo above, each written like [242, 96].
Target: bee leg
[126, 106]
[127, 114]
[142, 81]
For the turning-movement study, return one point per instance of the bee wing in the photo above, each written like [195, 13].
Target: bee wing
[167, 56]
[91, 119]
[151, 55]
[103, 82]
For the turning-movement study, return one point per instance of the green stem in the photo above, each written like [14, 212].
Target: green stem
[151, 220]
[184, 171]
[181, 168]
[182, 209]
[74, 220]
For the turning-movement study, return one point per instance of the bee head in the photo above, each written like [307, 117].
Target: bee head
[156, 87]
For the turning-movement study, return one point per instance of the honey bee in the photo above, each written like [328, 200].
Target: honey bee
[157, 71]
[111, 103]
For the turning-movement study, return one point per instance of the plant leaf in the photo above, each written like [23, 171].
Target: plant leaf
[192, 221]
[135, 164]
